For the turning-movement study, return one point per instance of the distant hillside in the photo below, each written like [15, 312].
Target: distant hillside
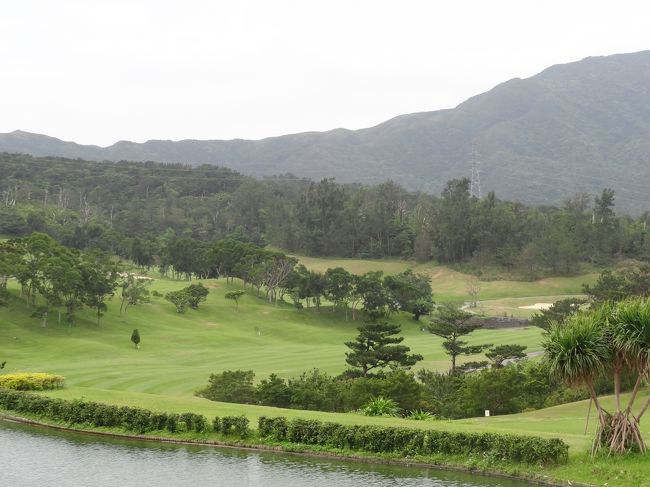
[576, 127]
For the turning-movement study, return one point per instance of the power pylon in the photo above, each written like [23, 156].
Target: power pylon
[475, 182]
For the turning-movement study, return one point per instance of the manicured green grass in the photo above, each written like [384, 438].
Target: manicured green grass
[179, 351]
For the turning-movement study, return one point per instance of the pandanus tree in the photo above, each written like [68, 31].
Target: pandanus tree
[609, 340]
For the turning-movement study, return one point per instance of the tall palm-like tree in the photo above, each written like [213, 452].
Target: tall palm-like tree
[629, 329]
[609, 340]
[577, 352]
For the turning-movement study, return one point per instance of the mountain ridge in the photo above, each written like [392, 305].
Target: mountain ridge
[573, 127]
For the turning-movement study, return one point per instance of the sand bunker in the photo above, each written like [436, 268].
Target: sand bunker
[537, 306]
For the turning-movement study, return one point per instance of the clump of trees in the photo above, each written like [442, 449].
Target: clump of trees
[557, 313]
[191, 296]
[617, 285]
[52, 276]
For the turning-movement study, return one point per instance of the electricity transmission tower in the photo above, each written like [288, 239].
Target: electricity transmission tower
[475, 184]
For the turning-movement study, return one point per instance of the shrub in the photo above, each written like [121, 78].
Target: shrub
[31, 381]
[275, 428]
[216, 424]
[200, 423]
[273, 392]
[180, 299]
[316, 390]
[235, 425]
[171, 424]
[380, 406]
[420, 415]
[231, 386]
[197, 293]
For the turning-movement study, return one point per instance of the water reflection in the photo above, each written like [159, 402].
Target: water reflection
[38, 457]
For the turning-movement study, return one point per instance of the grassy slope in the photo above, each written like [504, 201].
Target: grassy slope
[180, 351]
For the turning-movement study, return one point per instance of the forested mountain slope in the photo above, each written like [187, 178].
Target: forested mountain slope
[575, 127]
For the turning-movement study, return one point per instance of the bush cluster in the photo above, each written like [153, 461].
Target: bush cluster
[509, 389]
[98, 414]
[315, 390]
[405, 441]
[31, 381]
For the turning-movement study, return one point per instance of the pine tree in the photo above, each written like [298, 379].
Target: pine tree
[377, 346]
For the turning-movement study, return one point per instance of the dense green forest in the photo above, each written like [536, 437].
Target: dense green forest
[145, 211]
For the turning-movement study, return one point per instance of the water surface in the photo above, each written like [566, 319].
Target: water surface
[32, 456]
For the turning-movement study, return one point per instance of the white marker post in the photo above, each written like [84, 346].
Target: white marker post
[487, 413]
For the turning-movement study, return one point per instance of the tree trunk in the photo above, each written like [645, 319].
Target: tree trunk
[644, 409]
[617, 388]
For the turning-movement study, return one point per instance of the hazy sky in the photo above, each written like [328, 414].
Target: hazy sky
[102, 71]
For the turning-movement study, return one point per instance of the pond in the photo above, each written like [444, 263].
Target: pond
[32, 456]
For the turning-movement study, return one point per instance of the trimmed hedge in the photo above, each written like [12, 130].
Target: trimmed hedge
[374, 439]
[231, 425]
[98, 414]
[31, 381]
[405, 441]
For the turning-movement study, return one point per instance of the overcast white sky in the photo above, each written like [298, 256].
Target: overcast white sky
[101, 71]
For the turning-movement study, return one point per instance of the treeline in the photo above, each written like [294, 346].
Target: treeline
[68, 278]
[133, 209]
[52, 276]
[279, 276]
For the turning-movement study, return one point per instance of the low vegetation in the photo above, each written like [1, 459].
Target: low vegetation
[31, 381]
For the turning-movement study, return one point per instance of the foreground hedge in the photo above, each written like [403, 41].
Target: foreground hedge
[31, 381]
[97, 414]
[406, 441]
[374, 439]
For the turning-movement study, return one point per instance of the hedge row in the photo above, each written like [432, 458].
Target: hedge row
[97, 414]
[31, 381]
[375, 439]
[405, 441]
[132, 419]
